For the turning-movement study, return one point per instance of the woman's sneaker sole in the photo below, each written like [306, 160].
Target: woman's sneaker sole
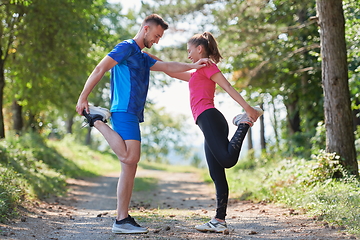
[212, 226]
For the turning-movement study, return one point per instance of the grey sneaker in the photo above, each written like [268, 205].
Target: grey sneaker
[212, 226]
[128, 225]
[96, 113]
[243, 117]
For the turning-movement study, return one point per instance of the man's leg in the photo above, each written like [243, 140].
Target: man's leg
[128, 152]
[127, 176]
[114, 140]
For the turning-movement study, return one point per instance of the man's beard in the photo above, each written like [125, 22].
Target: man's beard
[147, 44]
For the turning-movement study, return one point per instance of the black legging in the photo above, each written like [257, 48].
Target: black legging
[220, 152]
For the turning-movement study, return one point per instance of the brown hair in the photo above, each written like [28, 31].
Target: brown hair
[209, 43]
[154, 18]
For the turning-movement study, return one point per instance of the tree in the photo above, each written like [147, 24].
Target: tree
[45, 49]
[352, 31]
[275, 51]
[11, 14]
[271, 48]
[163, 135]
[338, 116]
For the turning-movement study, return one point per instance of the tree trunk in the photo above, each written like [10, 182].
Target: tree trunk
[275, 124]
[88, 137]
[293, 116]
[69, 123]
[249, 139]
[2, 85]
[337, 110]
[251, 152]
[262, 131]
[18, 123]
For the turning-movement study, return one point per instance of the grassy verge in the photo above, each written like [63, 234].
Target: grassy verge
[302, 184]
[34, 168]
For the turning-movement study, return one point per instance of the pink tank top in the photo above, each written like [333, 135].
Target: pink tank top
[202, 89]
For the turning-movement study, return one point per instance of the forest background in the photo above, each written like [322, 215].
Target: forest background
[272, 55]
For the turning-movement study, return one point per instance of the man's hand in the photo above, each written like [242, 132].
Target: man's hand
[202, 62]
[81, 105]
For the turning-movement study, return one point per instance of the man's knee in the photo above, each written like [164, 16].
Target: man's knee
[133, 152]
[130, 160]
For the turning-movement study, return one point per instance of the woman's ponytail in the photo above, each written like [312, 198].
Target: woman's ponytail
[209, 43]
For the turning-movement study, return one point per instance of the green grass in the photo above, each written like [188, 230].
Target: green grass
[168, 168]
[303, 184]
[145, 184]
[87, 162]
[32, 167]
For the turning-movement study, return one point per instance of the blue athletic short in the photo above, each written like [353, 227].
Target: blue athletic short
[126, 125]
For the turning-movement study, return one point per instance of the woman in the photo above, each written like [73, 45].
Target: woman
[220, 152]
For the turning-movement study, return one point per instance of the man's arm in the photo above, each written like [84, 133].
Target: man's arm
[185, 76]
[105, 65]
[175, 67]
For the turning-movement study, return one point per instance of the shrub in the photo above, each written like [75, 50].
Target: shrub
[11, 193]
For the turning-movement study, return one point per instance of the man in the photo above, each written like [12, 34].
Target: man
[130, 70]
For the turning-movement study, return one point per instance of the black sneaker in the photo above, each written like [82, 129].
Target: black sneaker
[128, 225]
[96, 113]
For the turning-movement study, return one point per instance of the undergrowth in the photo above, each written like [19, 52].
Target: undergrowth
[32, 167]
[303, 184]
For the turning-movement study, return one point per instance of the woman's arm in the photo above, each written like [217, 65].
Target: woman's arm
[220, 79]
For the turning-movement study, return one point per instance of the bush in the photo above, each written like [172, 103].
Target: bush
[32, 167]
[303, 184]
[11, 193]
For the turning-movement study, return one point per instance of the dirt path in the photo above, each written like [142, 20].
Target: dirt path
[170, 212]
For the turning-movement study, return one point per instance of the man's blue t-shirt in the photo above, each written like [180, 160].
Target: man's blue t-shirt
[130, 78]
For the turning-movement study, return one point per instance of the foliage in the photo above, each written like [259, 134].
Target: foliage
[33, 167]
[352, 25]
[303, 184]
[47, 55]
[163, 135]
[318, 141]
[336, 202]
[326, 166]
[271, 48]
[357, 141]
[11, 193]
[51, 59]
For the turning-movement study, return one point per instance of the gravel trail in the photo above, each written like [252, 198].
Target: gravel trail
[180, 202]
